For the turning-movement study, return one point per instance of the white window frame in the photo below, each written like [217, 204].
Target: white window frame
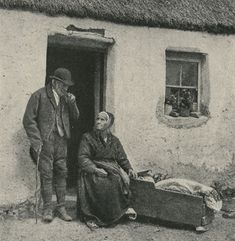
[188, 60]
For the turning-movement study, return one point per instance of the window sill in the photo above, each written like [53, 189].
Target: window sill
[183, 122]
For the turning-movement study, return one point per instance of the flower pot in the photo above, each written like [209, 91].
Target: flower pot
[194, 107]
[185, 112]
[167, 109]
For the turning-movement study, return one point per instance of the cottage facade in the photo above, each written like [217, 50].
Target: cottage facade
[125, 69]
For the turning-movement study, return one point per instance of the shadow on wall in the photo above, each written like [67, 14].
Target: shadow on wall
[25, 169]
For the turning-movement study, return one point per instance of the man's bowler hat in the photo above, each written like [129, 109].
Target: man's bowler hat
[63, 75]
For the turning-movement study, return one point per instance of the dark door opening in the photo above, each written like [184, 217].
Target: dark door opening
[87, 73]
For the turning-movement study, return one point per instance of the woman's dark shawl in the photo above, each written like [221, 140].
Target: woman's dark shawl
[104, 199]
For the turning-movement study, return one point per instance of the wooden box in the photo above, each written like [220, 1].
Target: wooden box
[169, 205]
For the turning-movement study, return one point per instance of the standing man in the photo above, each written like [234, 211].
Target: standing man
[47, 123]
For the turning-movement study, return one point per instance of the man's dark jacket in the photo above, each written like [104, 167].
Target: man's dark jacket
[40, 116]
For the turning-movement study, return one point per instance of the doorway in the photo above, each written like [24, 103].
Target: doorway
[87, 69]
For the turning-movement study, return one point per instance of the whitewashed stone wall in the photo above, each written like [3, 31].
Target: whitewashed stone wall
[135, 85]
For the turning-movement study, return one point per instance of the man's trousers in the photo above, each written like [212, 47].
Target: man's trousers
[53, 169]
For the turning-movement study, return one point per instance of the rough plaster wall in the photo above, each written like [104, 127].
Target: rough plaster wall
[135, 83]
[150, 143]
[22, 70]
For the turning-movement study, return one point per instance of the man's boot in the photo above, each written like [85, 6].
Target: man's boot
[47, 216]
[60, 194]
[61, 213]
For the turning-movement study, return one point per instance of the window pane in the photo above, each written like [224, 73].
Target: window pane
[172, 72]
[189, 74]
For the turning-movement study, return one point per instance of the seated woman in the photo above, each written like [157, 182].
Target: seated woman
[104, 171]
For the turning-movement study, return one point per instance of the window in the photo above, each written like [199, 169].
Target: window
[183, 82]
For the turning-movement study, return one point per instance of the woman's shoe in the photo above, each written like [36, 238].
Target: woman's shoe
[131, 214]
[201, 229]
[91, 224]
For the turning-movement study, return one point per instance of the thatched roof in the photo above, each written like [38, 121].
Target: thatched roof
[216, 16]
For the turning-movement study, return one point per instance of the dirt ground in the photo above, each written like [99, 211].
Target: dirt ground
[26, 229]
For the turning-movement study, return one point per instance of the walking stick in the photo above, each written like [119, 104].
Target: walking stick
[36, 191]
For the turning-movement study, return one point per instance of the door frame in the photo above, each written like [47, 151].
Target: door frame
[94, 42]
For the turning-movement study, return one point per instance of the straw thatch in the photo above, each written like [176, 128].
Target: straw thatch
[216, 16]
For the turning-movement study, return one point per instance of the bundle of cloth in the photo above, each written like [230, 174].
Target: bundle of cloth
[210, 195]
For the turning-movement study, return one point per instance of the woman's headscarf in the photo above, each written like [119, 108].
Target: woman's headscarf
[109, 117]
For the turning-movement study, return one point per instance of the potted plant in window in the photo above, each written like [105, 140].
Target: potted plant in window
[186, 102]
[170, 103]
